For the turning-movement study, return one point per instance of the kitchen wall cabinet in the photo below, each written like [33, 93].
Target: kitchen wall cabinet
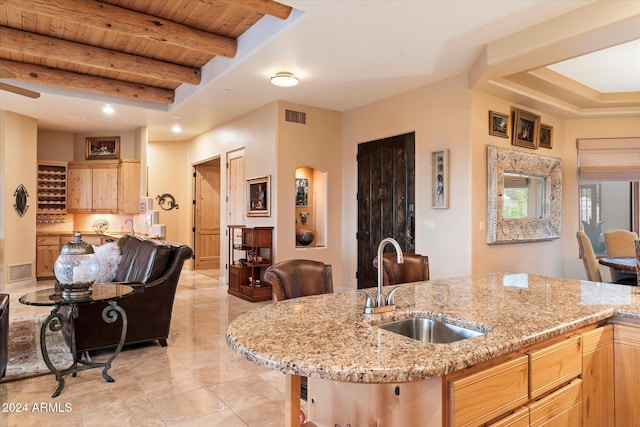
[104, 186]
[129, 187]
[627, 374]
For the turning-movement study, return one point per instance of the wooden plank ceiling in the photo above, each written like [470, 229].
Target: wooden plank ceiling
[138, 49]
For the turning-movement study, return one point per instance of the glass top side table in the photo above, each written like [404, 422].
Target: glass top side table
[101, 293]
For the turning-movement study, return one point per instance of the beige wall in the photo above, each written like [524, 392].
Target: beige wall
[55, 145]
[276, 149]
[170, 172]
[535, 257]
[438, 114]
[18, 161]
[256, 132]
[315, 145]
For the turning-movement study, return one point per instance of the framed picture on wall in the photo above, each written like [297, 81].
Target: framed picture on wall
[526, 129]
[258, 196]
[498, 124]
[302, 192]
[546, 136]
[103, 148]
[440, 179]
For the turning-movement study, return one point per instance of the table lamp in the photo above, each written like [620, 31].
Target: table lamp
[76, 268]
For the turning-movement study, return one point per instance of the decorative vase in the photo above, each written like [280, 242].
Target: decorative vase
[76, 268]
[304, 236]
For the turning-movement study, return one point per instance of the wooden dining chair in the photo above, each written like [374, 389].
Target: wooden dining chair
[588, 257]
[415, 268]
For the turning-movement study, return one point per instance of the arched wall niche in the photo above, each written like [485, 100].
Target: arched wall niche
[311, 207]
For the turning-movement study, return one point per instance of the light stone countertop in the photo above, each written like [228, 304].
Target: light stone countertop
[330, 337]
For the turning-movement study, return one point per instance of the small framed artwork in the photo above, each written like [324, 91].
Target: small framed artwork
[103, 148]
[440, 179]
[546, 136]
[302, 192]
[526, 129]
[498, 124]
[258, 202]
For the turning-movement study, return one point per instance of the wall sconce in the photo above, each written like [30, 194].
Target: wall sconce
[284, 79]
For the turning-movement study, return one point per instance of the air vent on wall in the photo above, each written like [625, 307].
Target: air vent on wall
[295, 117]
[20, 272]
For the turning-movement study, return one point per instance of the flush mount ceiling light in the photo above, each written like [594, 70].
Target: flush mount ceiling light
[284, 79]
[108, 109]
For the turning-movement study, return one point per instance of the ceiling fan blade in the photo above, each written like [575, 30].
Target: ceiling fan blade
[6, 74]
[19, 91]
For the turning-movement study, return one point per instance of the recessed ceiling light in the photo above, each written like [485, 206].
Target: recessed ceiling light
[176, 128]
[108, 109]
[284, 79]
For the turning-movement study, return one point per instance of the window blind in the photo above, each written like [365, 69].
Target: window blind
[609, 159]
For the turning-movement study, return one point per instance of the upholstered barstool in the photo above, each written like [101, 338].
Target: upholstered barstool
[296, 278]
[415, 268]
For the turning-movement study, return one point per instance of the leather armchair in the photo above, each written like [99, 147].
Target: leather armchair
[153, 268]
[299, 278]
[415, 268]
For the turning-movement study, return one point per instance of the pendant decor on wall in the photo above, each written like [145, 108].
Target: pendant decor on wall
[21, 196]
[166, 202]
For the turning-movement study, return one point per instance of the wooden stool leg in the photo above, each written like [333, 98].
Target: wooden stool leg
[292, 401]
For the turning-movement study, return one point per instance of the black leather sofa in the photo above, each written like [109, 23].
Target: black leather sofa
[153, 268]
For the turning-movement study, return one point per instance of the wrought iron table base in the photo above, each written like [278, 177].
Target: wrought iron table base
[54, 323]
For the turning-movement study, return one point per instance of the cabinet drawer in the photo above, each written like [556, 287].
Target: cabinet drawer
[552, 366]
[562, 408]
[488, 394]
[50, 240]
[519, 418]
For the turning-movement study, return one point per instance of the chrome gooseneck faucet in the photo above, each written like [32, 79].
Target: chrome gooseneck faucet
[383, 304]
[133, 232]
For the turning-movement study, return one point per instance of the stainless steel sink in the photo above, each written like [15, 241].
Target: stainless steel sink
[428, 330]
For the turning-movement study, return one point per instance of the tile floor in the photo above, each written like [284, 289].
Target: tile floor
[195, 381]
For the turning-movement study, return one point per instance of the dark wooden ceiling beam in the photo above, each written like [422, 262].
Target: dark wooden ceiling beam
[264, 7]
[38, 74]
[134, 24]
[40, 46]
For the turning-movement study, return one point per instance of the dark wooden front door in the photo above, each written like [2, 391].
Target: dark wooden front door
[386, 199]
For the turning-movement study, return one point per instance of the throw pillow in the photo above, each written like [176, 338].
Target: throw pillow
[109, 256]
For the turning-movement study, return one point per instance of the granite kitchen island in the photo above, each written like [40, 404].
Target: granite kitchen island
[329, 338]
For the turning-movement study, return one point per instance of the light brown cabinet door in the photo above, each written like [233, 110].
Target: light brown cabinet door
[554, 365]
[488, 394]
[597, 377]
[627, 375]
[105, 188]
[79, 188]
[129, 187]
[562, 408]
[47, 251]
